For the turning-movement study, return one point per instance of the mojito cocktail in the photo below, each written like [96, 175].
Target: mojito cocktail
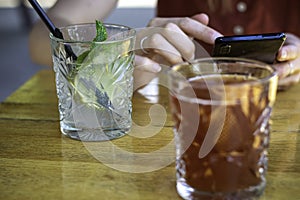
[94, 80]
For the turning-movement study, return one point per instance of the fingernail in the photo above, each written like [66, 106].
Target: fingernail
[283, 54]
[216, 35]
[156, 67]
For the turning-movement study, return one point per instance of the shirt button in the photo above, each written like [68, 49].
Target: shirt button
[238, 30]
[241, 6]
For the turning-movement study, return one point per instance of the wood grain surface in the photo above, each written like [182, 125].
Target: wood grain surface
[37, 162]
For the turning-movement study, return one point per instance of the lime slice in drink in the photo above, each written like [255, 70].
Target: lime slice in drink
[102, 72]
[104, 75]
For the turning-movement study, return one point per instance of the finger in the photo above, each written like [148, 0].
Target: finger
[285, 69]
[161, 21]
[282, 69]
[180, 41]
[146, 64]
[283, 84]
[288, 52]
[159, 45]
[202, 18]
[190, 26]
[198, 30]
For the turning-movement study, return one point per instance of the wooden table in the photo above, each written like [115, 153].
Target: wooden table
[37, 162]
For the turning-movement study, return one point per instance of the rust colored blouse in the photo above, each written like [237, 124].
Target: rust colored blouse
[240, 17]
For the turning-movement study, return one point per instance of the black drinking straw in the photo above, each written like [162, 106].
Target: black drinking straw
[55, 31]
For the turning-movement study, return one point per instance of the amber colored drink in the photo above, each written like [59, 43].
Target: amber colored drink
[222, 136]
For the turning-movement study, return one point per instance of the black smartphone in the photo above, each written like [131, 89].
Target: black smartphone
[262, 47]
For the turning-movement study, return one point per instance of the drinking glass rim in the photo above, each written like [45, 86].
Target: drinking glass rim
[257, 63]
[173, 75]
[132, 35]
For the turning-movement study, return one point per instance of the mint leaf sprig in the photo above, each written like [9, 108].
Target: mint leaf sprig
[101, 35]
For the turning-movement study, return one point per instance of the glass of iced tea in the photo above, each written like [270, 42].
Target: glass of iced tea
[221, 109]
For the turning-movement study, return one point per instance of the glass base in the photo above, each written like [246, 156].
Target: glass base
[93, 134]
[251, 193]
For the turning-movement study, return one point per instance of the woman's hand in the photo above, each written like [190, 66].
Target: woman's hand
[170, 40]
[288, 67]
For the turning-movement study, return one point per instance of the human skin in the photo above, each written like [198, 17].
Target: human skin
[165, 46]
[287, 62]
[63, 13]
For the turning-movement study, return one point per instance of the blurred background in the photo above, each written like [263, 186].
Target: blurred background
[15, 21]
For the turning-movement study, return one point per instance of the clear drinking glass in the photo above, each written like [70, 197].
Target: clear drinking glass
[221, 108]
[94, 81]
